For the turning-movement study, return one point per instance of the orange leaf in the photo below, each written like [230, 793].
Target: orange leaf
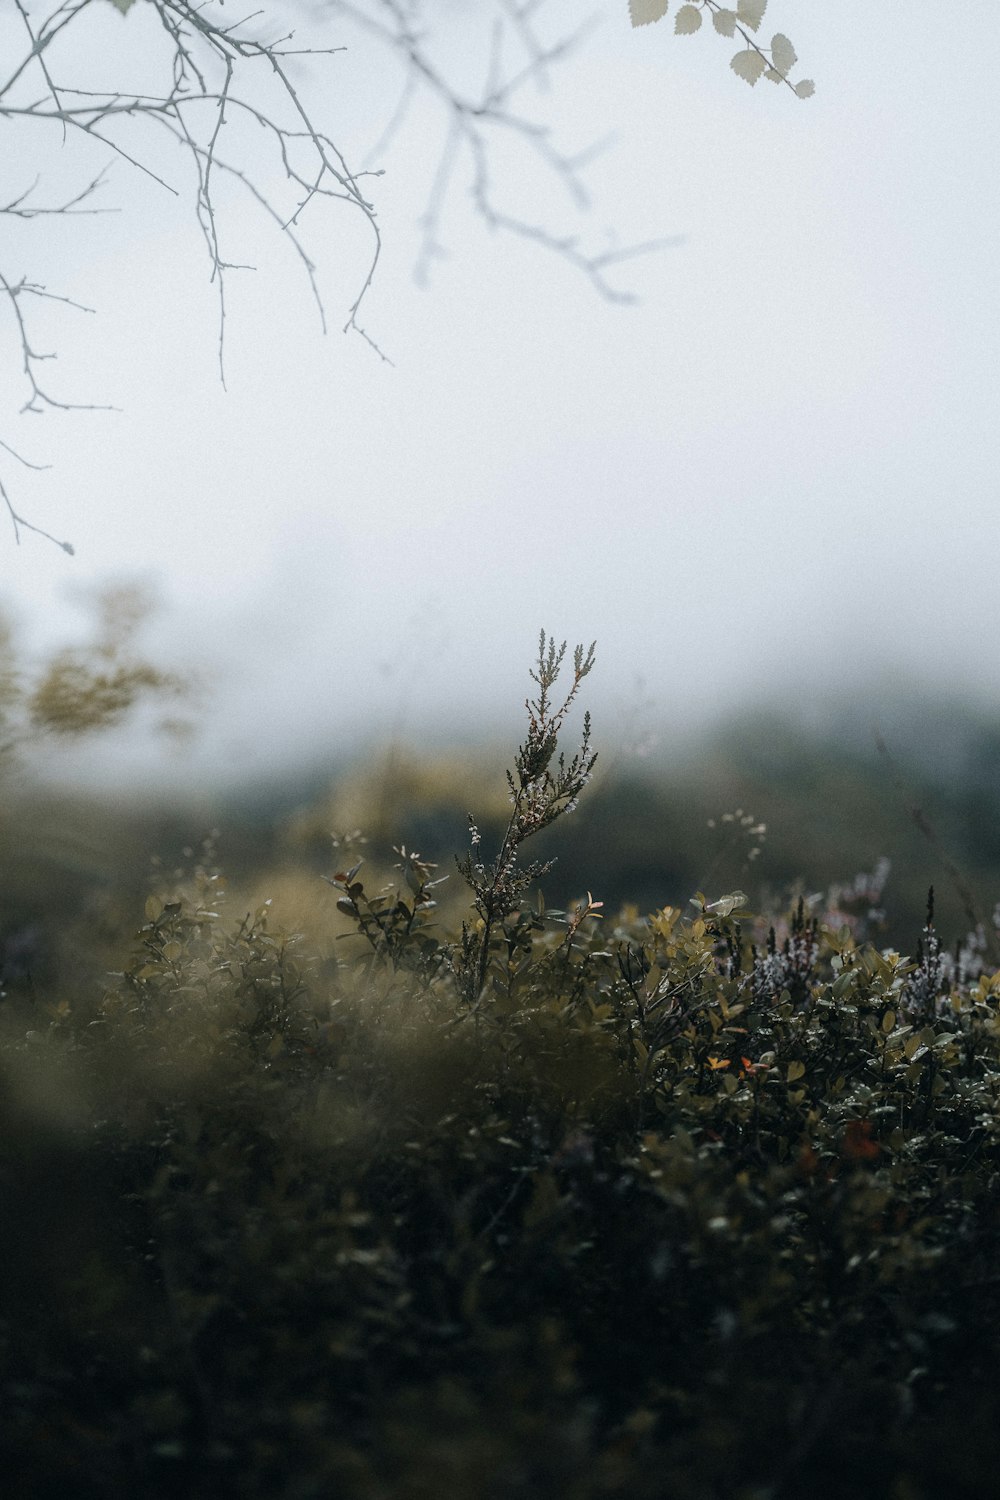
[858, 1143]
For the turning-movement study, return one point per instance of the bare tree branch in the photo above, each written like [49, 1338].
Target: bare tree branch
[219, 76]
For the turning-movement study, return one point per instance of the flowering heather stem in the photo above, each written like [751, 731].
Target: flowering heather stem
[542, 789]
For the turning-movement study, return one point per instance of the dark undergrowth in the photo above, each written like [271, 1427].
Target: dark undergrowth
[561, 1204]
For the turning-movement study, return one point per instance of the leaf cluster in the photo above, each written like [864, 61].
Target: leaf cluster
[394, 927]
[753, 62]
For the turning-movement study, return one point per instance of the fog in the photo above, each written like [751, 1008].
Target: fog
[770, 479]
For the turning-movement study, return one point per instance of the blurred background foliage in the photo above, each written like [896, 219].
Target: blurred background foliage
[766, 802]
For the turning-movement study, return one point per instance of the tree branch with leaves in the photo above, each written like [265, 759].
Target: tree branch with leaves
[753, 62]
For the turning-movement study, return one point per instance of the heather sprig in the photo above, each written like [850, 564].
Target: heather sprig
[542, 789]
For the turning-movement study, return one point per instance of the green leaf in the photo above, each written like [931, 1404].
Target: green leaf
[123, 5]
[724, 22]
[783, 54]
[642, 12]
[796, 1070]
[688, 20]
[843, 985]
[748, 65]
[805, 89]
[751, 12]
[726, 905]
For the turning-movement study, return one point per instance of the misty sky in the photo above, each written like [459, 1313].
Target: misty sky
[776, 474]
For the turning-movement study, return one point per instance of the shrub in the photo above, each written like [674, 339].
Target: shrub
[561, 1204]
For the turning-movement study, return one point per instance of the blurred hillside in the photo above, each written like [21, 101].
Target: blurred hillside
[75, 869]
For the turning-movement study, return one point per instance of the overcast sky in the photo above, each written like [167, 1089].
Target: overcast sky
[775, 474]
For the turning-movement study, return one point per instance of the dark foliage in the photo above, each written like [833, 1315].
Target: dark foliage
[685, 1205]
